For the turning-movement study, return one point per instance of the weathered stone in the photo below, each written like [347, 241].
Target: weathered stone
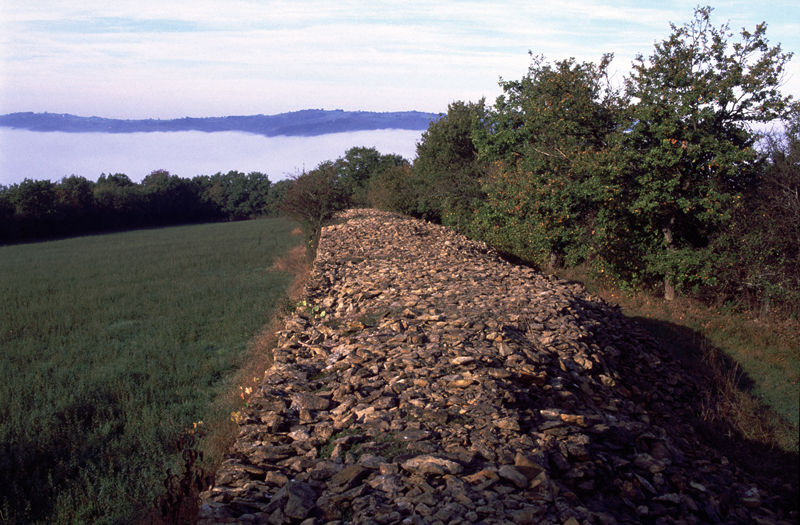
[431, 465]
[649, 463]
[413, 434]
[437, 367]
[528, 515]
[387, 484]
[295, 500]
[349, 477]
[507, 423]
[513, 475]
[276, 478]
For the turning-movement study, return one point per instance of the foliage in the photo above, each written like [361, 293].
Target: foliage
[759, 251]
[659, 184]
[179, 503]
[112, 346]
[394, 190]
[447, 169]
[688, 148]
[549, 138]
[359, 166]
[237, 195]
[277, 192]
[313, 199]
[311, 310]
[74, 205]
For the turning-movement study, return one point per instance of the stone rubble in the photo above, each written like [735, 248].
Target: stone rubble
[446, 386]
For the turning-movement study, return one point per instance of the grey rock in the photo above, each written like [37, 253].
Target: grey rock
[295, 500]
[349, 477]
[513, 475]
[446, 385]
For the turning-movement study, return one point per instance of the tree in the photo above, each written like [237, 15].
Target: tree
[548, 136]
[447, 169]
[393, 190]
[689, 145]
[34, 202]
[312, 200]
[239, 196]
[277, 192]
[759, 250]
[8, 223]
[358, 166]
[75, 193]
[120, 201]
[117, 179]
[75, 203]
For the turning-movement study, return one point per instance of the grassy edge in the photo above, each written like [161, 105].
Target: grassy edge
[217, 435]
[222, 433]
[715, 341]
[739, 424]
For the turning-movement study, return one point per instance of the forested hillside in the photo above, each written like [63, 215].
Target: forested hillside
[306, 123]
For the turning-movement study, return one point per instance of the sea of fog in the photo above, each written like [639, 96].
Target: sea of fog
[53, 155]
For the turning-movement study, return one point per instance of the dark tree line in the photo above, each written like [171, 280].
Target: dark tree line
[43, 209]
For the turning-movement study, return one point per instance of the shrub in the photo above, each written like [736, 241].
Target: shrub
[394, 190]
[313, 199]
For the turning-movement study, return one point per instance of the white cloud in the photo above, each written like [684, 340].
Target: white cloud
[208, 57]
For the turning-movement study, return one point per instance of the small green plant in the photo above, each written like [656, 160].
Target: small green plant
[327, 448]
[460, 419]
[313, 310]
[371, 318]
[284, 304]
[319, 375]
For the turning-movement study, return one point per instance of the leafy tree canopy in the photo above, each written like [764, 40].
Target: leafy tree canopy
[689, 142]
[447, 165]
[548, 136]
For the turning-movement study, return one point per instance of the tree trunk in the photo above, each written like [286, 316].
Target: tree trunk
[669, 290]
[555, 261]
[669, 285]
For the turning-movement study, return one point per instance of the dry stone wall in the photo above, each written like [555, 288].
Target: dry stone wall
[447, 386]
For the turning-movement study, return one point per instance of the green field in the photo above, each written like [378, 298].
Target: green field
[114, 345]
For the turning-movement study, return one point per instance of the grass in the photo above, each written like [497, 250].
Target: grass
[750, 363]
[386, 445]
[327, 448]
[762, 353]
[114, 349]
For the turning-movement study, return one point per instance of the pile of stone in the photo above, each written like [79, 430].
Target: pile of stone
[428, 381]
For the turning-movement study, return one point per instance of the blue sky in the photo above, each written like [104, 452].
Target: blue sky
[168, 59]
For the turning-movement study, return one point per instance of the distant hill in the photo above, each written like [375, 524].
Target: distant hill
[309, 122]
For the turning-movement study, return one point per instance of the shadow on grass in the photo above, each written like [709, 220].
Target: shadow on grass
[731, 419]
[692, 347]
